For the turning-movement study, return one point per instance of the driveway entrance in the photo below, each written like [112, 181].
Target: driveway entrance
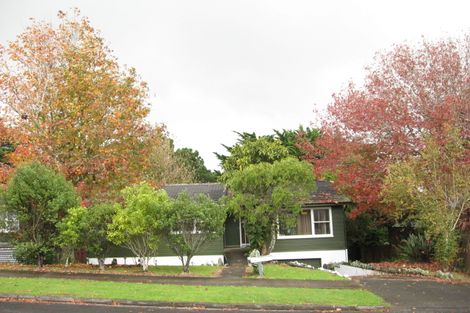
[412, 295]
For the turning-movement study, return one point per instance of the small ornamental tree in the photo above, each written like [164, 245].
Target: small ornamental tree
[266, 195]
[71, 233]
[87, 227]
[137, 224]
[191, 223]
[39, 198]
[434, 189]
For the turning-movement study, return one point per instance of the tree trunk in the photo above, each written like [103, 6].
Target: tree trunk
[186, 264]
[183, 263]
[145, 264]
[40, 260]
[467, 252]
[101, 263]
[268, 245]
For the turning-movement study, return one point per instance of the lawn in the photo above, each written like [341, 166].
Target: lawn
[284, 271]
[197, 271]
[202, 270]
[181, 293]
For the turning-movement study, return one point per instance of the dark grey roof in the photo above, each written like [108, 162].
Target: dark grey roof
[213, 190]
[326, 193]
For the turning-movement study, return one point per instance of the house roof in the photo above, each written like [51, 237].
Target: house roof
[213, 190]
[325, 192]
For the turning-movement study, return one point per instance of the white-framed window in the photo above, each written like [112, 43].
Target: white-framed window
[311, 223]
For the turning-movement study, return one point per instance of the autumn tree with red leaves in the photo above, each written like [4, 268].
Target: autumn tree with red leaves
[81, 112]
[409, 92]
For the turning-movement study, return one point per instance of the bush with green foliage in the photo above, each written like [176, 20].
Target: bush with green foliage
[39, 198]
[433, 188]
[138, 222]
[417, 248]
[266, 195]
[27, 253]
[87, 227]
[447, 248]
[191, 222]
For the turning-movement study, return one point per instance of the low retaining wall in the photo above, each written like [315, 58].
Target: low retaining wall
[164, 260]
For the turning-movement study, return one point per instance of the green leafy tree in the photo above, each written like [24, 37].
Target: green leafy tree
[164, 165]
[191, 159]
[138, 223]
[266, 195]
[191, 223]
[87, 227]
[71, 233]
[39, 198]
[434, 189]
[252, 150]
[295, 139]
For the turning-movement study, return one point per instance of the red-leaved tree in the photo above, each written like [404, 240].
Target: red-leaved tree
[408, 92]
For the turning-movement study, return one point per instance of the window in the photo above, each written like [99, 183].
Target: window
[303, 225]
[315, 222]
[321, 221]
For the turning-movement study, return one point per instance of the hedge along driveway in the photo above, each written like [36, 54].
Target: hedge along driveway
[184, 293]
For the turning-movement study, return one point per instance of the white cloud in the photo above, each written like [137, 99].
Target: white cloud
[218, 66]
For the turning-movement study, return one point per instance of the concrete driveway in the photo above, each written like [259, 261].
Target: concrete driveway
[412, 295]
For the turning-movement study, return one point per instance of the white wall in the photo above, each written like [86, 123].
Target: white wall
[165, 260]
[326, 256]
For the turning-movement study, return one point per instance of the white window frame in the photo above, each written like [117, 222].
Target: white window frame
[330, 235]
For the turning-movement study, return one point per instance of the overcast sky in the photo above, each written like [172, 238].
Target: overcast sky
[218, 66]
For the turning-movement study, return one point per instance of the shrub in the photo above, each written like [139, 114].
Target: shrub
[417, 248]
[38, 197]
[28, 252]
[447, 249]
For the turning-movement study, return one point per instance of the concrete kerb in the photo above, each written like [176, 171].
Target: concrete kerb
[199, 305]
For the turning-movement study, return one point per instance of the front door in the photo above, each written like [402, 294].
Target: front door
[232, 232]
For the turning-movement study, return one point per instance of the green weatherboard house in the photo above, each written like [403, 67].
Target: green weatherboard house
[318, 238]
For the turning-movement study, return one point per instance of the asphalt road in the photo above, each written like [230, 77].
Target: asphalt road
[408, 295]
[15, 307]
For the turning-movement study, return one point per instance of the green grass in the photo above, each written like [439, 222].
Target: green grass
[284, 271]
[199, 271]
[181, 293]
[204, 271]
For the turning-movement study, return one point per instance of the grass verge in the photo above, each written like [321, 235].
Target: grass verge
[284, 271]
[182, 293]
[196, 271]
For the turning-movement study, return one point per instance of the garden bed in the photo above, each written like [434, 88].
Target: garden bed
[428, 266]
[171, 271]
[414, 269]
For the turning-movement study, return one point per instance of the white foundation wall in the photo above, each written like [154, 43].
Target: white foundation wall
[164, 260]
[326, 256]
